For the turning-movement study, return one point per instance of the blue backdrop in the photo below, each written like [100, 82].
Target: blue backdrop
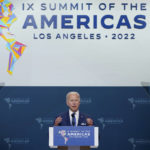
[122, 114]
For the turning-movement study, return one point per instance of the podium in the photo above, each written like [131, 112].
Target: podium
[73, 137]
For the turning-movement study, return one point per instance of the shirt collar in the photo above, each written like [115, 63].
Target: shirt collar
[71, 112]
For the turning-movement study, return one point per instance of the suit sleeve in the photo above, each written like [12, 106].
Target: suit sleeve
[60, 115]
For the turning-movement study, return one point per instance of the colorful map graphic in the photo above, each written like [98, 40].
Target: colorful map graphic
[63, 134]
[15, 48]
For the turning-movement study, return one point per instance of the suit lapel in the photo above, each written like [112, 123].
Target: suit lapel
[68, 119]
[80, 119]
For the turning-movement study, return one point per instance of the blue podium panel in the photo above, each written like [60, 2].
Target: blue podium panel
[73, 136]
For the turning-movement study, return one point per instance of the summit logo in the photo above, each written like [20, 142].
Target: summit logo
[109, 121]
[44, 121]
[7, 18]
[16, 141]
[136, 142]
[16, 101]
[138, 101]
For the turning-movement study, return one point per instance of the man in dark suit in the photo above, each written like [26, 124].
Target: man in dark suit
[73, 117]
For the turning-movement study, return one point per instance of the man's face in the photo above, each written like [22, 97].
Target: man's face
[73, 102]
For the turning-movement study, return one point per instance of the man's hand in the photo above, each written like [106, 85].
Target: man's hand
[89, 121]
[57, 121]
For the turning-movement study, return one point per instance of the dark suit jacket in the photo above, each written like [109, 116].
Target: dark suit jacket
[66, 119]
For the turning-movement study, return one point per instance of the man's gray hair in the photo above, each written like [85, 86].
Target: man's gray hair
[72, 92]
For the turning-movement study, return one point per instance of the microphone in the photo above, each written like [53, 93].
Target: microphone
[73, 115]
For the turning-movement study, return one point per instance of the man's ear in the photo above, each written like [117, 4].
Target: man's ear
[66, 102]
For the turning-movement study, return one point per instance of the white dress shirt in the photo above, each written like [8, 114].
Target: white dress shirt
[76, 116]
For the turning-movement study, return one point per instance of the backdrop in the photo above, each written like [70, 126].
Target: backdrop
[121, 113]
[79, 43]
